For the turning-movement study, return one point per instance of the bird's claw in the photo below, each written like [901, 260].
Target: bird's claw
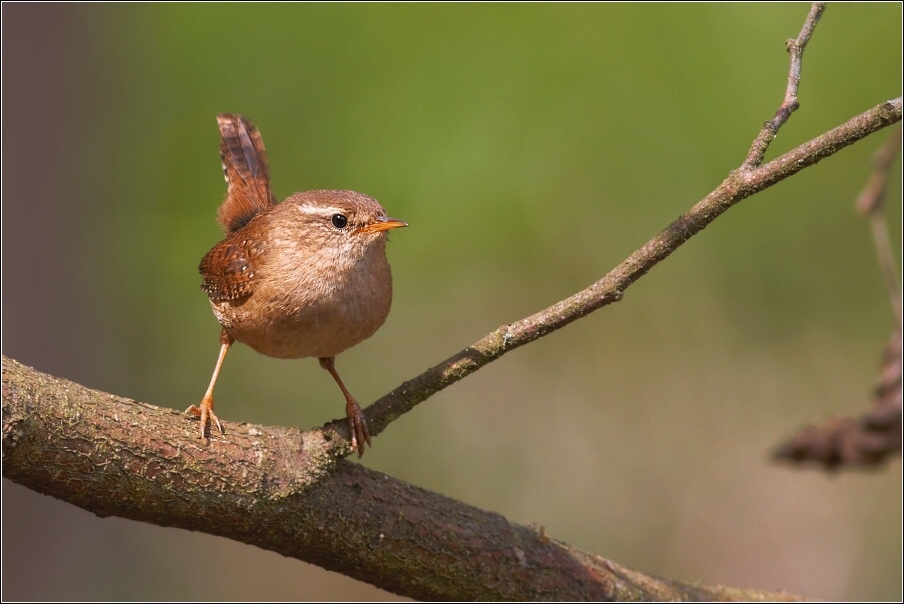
[205, 412]
[357, 426]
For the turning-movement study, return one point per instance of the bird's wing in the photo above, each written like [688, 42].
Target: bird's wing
[229, 269]
[247, 172]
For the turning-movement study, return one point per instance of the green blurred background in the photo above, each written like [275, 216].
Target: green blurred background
[531, 148]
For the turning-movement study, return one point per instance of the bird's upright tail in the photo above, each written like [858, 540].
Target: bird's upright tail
[246, 170]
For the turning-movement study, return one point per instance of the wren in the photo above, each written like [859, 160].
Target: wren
[307, 277]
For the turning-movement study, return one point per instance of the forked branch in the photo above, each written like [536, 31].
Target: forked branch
[790, 103]
[739, 185]
[750, 178]
[291, 491]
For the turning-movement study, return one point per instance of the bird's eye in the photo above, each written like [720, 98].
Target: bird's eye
[339, 221]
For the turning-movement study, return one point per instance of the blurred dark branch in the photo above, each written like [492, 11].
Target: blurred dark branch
[871, 204]
[870, 439]
[740, 184]
[284, 491]
[291, 492]
[864, 442]
[872, 198]
[790, 103]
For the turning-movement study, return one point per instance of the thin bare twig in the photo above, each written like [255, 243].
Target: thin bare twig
[871, 204]
[879, 227]
[739, 185]
[872, 198]
[790, 103]
[748, 179]
[291, 492]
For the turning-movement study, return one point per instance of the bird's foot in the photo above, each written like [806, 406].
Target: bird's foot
[357, 425]
[205, 411]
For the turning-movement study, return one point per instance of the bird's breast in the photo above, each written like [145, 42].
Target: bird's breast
[305, 306]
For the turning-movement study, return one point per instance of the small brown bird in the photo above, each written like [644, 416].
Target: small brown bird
[307, 277]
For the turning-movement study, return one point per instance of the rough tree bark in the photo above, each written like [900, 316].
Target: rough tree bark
[292, 492]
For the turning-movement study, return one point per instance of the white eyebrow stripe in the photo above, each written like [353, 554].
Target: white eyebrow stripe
[318, 210]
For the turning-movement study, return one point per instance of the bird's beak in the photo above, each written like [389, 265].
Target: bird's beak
[382, 224]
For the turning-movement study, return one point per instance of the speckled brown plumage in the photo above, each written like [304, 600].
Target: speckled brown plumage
[307, 277]
[246, 170]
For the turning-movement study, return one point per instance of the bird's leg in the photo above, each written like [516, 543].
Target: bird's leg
[205, 409]
[357, 425]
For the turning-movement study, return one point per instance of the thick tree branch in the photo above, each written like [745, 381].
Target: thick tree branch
[270, 487]
[291, 492]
